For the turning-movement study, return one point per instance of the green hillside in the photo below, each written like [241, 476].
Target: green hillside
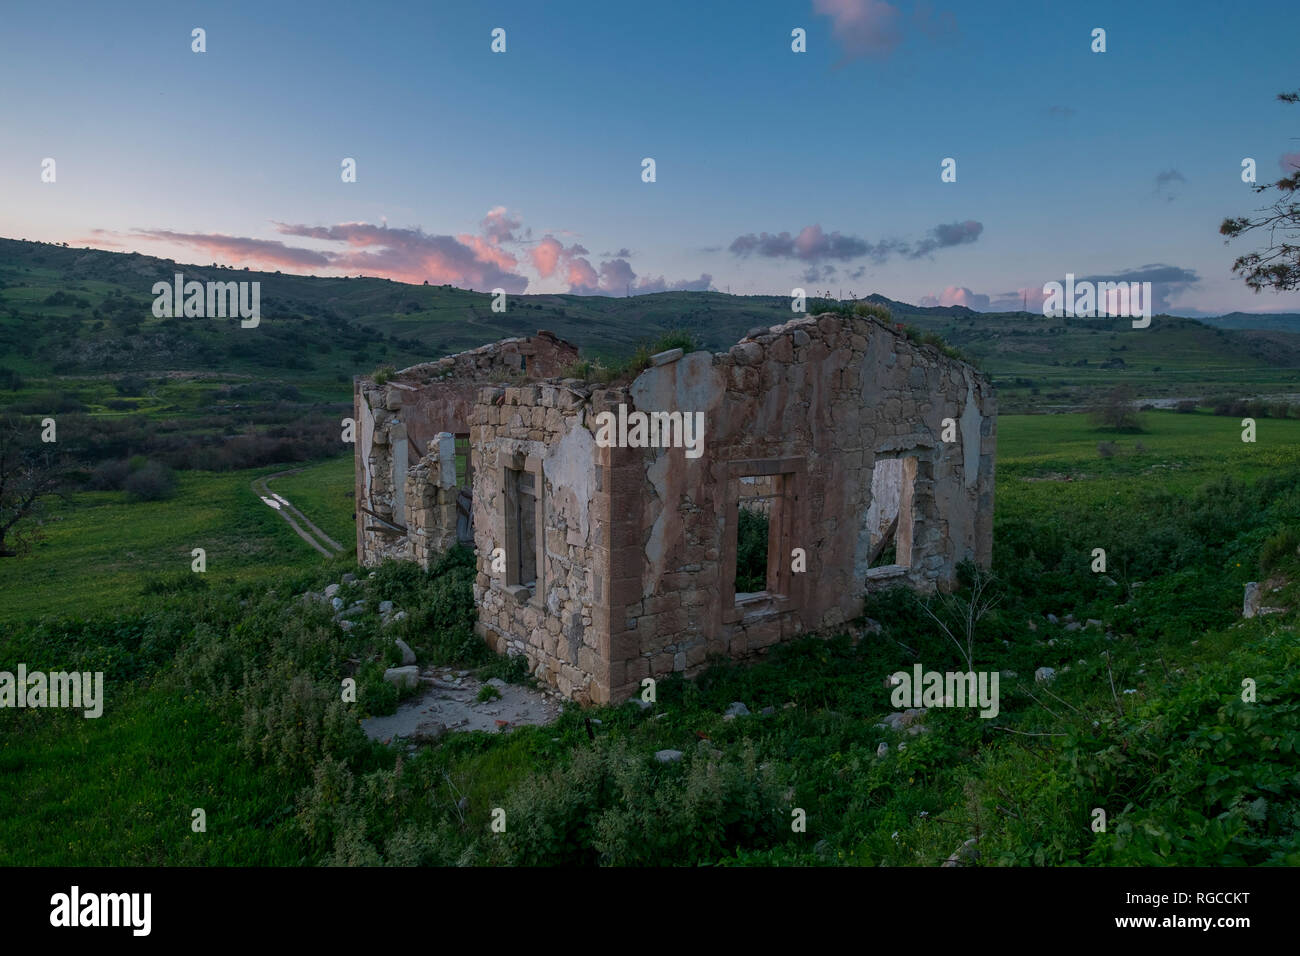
[83, 316]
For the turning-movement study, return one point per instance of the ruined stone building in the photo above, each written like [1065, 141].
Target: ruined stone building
[715, 505]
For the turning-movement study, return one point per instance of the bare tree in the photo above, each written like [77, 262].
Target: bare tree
[1278, 266]
[27, 477]
[958, 616]
[1115, 410]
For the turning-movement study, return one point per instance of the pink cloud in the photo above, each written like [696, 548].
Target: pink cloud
[616, 276]
[265, 253]
[546, 256]
[498, 226]
[960, 295]
[1290, 162]
[862, 27]
[581, 276]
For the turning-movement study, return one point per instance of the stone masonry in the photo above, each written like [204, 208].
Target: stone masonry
[870, 456]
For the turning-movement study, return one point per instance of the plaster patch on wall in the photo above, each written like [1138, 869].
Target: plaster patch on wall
[970, 435]
[569, 468]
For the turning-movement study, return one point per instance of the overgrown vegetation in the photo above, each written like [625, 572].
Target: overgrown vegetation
[751, 550]
[1144, 719]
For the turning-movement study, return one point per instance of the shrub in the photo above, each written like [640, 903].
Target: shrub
[1281, 548]
[675, 339]
[874, 309]
[487, 693]
[109, 476]
[382, 375]
[151, 482]
[1115, 411]
[1106, 449]
[581, 369]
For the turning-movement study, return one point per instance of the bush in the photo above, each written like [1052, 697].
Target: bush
[1282, 548]
[1115, 411]
[109, 476]
[151, 482]
[874, 309]
[1106, 449]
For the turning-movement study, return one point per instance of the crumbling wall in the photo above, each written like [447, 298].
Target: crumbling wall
[399, 421]
[541, 429]
[850, 432]
[813, 404]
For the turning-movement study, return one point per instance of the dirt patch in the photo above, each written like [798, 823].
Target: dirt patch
[450, 703]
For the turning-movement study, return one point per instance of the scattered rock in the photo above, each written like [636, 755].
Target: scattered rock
[1053, 619]
[1044, 674]
[1109, 581]
[349, 578]
[1250, 605]
[643, 704]
[428, 732]
[882, 750]
[1008, 675]
[668, 756]
[399, 616]
[499, 684]
[1074, 626]
[345, 624]
[903, 719]
[1093, 622]
[332, 590]
[403, 677]
[385, 607]
[768, 711]
[337, 604]
[963, 855]
[736, 709]
[408, 655]
[1069, 618]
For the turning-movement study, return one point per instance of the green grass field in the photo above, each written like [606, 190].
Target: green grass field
[223, 702]
[323, 492]
[100, 548]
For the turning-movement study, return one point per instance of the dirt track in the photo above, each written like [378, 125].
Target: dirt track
[300, 523]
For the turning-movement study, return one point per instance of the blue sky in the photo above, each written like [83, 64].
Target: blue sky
[523, 169]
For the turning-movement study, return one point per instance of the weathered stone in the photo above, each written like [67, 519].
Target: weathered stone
[608, 562]
[403, 678]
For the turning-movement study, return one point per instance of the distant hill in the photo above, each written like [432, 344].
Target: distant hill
[1268, 321]
[78, 312]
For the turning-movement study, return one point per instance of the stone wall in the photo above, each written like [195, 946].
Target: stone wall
[541, 430]
[811, 406]
[839, 421]
[398, 424]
